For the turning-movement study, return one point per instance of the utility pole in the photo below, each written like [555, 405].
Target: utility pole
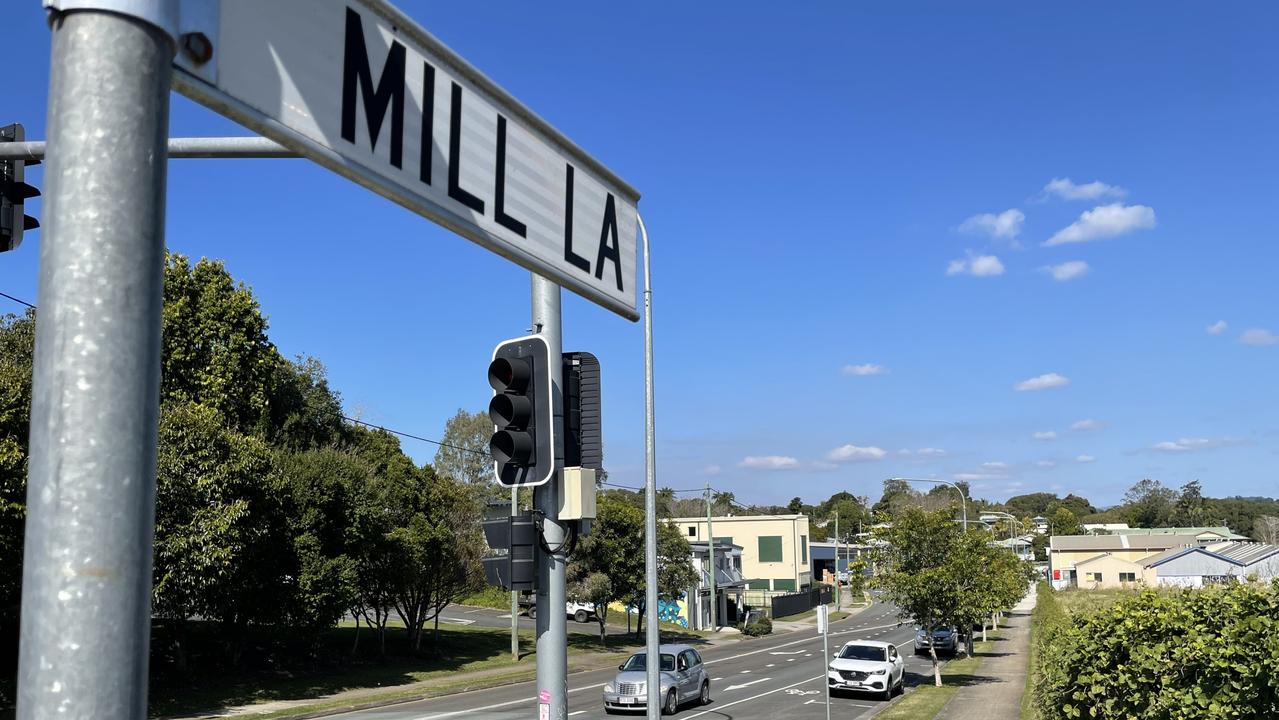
[552, 622]
[839, 598]
[710, 534]
[653, 636]
[515, 595]
[86, 576]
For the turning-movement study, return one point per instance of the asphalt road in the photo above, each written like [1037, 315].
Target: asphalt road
[777, 676]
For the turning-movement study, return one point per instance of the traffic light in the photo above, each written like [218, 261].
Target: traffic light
[583, 436]
[513, 538]
[14, 192]
[523, 443]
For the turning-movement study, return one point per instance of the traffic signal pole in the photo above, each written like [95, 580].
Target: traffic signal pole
[552, 619]
[86, 585]
[653, 633]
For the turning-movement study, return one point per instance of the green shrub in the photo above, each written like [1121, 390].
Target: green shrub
[1211, 653]
[489, 597]
[762, 626]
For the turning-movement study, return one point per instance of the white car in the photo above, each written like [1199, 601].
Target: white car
[581, 612]
[867, 666]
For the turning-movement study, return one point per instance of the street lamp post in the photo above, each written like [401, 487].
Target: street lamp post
[963, 503]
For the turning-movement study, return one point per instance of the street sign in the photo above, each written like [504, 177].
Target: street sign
[361, 89]
[821, 619]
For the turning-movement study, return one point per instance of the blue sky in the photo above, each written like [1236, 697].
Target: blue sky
[864, 241]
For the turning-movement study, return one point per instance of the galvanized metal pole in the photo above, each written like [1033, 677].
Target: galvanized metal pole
[86, 584]
[654, 638]
[710, 533]
[515, 595]
[194, 147]
[839, 596]
[552, 600]
[826, 646]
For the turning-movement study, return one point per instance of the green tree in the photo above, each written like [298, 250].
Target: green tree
[608, 564]
[675, 573]
[918, 571]
[1063, 522]
[1149, 504]
[795, 505]
[1191, 509]
[898, 495]
[221, 542]
[463, 454]
[17, 349]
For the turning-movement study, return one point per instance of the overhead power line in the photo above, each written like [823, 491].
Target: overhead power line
[20, 302]
[412, 436]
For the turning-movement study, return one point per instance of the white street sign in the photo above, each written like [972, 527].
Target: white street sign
[821, 619]
[363, 90]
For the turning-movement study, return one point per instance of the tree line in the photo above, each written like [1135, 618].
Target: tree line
[273, 513]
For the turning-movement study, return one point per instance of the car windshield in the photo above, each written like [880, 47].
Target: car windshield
[862, 652]
[637, 662]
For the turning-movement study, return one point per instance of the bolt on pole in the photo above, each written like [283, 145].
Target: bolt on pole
[552, 600]
[86, 585]
[653, 637]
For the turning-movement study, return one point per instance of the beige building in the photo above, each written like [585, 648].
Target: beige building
[1065, 552]
[775, 552]
[1108, 570]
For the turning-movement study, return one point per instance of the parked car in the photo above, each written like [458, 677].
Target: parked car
[867, 666]
[581, 612]
[944, 639]
[683, 676]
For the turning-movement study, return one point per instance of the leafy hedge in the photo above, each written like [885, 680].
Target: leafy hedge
[763, 626]
[1211, 653]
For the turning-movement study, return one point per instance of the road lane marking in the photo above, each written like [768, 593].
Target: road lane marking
[743, 672]
[752, 682]
[579, 712]
[452, 713]
[717, 708]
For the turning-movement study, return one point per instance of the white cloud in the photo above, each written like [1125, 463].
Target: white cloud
[1259, 337]
[1105, 221]
[712, 470]
[969, 477]
[1066, 189]
[1045, 435]
[1182, 445]
[977, 266]
[1046, 463]
[1042, 382]
[930, 452]
[1085, 458]
[1067, 270]
[769, 462]
[1085, 425]
[846, 453]
[995, 465]
[1005, 225]
[1217, 328]
[867, 369]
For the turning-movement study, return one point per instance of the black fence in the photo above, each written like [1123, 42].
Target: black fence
[795, 603]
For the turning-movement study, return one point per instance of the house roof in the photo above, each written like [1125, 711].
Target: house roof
[1170, 554]
[1244, 553]
[1100, 543]
[1105, 556]
[1221, 530]
[738, 518]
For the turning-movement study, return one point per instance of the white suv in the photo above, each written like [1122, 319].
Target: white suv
[867, 666]
[581, 612]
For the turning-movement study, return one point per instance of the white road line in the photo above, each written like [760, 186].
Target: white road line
[579, 712]
[718, 707]
[743, 672]
[441, 716]
[752, 682]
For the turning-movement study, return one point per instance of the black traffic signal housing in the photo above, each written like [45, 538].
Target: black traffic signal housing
[583, 434]
[14, 192]
[513, 538]
[522, 410]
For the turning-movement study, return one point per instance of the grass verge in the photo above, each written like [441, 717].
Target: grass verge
[926, 700]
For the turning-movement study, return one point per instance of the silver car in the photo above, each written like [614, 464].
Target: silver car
[683, 676]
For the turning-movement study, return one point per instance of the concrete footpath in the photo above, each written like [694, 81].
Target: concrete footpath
[994, 693]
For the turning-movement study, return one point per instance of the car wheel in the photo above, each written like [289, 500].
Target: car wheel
[705, 698]
[672, 704]
[581, 616]
[888, 692]
[532, 611]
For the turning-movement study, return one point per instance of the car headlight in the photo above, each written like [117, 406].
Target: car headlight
[608, 688]
[880, 671]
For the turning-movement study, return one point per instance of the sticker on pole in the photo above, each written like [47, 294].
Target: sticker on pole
[361, 89]
[821, 620]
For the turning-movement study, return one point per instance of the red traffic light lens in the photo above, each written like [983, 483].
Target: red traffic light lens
[510, 374]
